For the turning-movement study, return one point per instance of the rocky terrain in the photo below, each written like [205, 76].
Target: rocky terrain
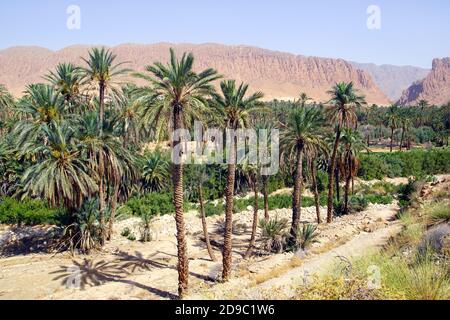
[279, 75]
[393, 80]
[435, 88]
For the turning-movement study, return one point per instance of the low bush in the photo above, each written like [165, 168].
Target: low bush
[404, 164]
[29, 212]
[125, 232]
[379, 199]
[151, 203]
[273, 234]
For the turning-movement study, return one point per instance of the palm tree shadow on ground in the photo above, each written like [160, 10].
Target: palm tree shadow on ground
[89, 273]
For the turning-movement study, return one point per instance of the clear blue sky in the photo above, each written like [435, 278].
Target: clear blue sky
[413, 32]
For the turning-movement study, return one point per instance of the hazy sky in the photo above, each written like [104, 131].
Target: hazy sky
[413, 32]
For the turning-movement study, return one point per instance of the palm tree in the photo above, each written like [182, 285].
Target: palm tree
[156, 172]
[60, 175]
[349, 162]
[303, 99]
[268, 126]
[177, 93]
[6, 103]
[234, 108]
[251, 172]
[67, 79]
[197, 182]
[40, 107]
[128, 115]
[405, 122]
[101, 71]
[119, 163]
[317, 154]
[342, 112]
[300, 134]
[392, 122]
[423, 104]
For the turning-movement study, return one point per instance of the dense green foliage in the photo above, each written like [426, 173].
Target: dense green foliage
[149, 203]
[28, 212]
[404, 164]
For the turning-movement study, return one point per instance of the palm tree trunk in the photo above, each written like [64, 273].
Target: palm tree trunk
[297, 196]
[177, 178]
[331, 176]
[347, 186]
[205, 226]
[229, 201]
[401, 139]
[255, 219]
[338, 182]
[316, 192]
[353, 184]
[114, 200]
[392, 140]
[101, 166]
[266, 199]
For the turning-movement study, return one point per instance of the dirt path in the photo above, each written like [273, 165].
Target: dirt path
[321, 264]
[367, 231]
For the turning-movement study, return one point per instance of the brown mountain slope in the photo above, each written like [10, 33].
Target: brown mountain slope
[435, 88]
[393, 80]
[279, 75]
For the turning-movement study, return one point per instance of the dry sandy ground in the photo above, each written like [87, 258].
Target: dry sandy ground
[134, 270]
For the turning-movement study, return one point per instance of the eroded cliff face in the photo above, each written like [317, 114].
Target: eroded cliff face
[393, 80]
[435, 88]
[279, 75]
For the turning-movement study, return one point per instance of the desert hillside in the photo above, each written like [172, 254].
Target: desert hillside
[435, 88]
[279, 75]
[393, 80]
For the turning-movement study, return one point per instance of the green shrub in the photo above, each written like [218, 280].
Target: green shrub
[379, 199]
[29, 212]
[358, 203]
[279, 201]
[213, 210]
[404, 164]
[409, 192]
[273, 234]
[307, 236]
[125, 232]
[151, 203]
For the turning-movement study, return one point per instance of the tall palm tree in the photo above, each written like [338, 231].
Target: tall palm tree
[300, 134]
[392, 118]
[128, 115]
[234, 107]
[177, 93]
[252, 174]
[405, 123]
[422, 105]
[196, 185]
[349, 163]
[268, 126]
[101, 71]
[60, 175]
[119, 163]
[67, 79]
[342, 112]
[317, 155]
